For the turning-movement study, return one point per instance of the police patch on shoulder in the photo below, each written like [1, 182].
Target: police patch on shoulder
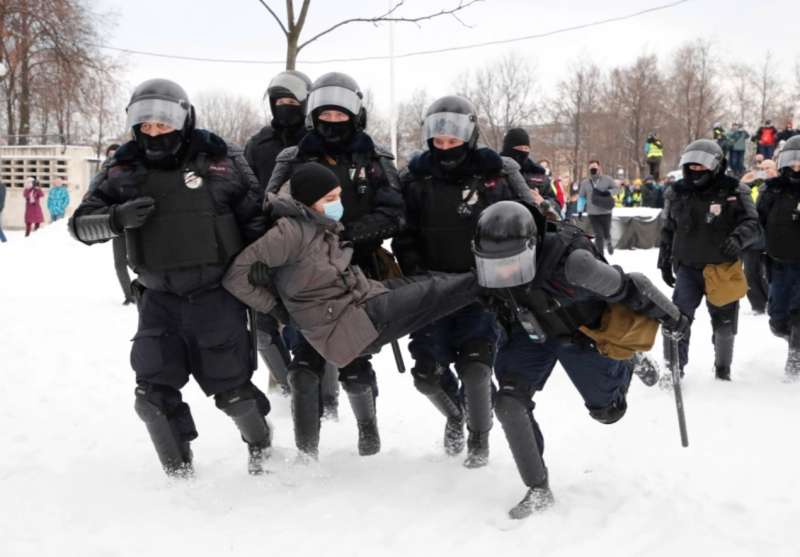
[218, 168]
[732, 199]
[192, 180]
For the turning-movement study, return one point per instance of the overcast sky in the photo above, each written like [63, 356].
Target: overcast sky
[741, 30]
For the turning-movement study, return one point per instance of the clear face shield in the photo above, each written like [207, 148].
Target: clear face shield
[285, 85]
[171, 113]
[334, 96]
[460, 126]
[788, 159]
[505, 270]
[700, 157]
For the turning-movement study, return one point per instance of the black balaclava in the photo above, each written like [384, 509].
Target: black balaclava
[336, 135]
[791, 175]
[514, 138]
[451, 159]
[161, 151]
[698, 179]
[286, 115]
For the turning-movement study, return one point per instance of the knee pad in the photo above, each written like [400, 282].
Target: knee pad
[228, 400]
[304, 380]
[477, 350]
[357, 375]
[427, 376]
[475, 373]
[725, 321]
[522, 394]
[610, 414]
[306, 357]
[154, 402]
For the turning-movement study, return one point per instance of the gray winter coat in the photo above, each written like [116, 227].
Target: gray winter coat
[312, 275]
[601, 183]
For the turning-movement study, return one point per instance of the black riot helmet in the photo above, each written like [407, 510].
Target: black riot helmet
[166, 102]
[452, 116]
[704, 152]
[505, 245]
[291, 84]
[788, 157]
[336, 91]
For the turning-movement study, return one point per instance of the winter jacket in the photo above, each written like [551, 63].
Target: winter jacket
[234, 196]
[33, 208]
[652, 195]
[57, 200]
[443, 208]
[766, 135]
[593, 186]
[787, 133]
[313, 277]
[373, 204]
[737, 139]
[262, 150]
[653, 149]
[693, 235]
[779, 214]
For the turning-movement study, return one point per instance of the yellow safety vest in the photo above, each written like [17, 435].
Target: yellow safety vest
[654, 151]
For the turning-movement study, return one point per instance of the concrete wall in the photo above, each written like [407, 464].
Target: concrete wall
[76, 163]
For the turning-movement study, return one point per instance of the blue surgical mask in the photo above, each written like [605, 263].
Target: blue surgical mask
[334, 210]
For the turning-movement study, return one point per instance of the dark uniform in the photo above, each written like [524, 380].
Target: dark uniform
[186, 204]
[286, 129]
[709, 219]
[443, 205]
[535, 175]
[546, 287]
[373, 211]
[779, 213]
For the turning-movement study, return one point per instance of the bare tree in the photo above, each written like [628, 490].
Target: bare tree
[741, 97]
[293, 27]
[696, 96]
[233, 117]
[767, 87]
[576, 108]
[503, 92]
[409, 125]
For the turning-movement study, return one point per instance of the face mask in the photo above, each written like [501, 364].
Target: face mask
[451, 158]
[161, 147]
[335, 133]
[288, 115]
[334, 210]
[519, 156]
[593, 171]
[697, 178]
[791, 175]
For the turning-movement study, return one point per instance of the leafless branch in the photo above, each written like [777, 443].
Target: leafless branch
[283, 27]
[387, 17]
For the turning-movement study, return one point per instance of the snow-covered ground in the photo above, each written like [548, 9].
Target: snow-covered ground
[79, 477]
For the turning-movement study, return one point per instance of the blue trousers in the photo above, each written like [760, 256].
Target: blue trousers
[784, 293]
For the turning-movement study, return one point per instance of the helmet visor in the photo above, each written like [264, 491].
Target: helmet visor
[788, 158]
[708, 160]
[506, 271]
[334, 96]
[285, 85]
[460, 126]
[171, 113]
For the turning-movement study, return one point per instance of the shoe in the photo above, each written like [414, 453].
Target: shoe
[128, 301]
[645, 369]
[369, 440]
[258, 454]
[723, 373]
[536, 500]
[454, 436]
[183, 470]
[477, 449]
[330, 409]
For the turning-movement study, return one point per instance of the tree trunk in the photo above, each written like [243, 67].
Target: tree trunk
[291, 50]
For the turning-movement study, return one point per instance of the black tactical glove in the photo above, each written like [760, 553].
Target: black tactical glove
[259, 275]
[731, 247]
[678, 329]
[667, 275]
[134, 213]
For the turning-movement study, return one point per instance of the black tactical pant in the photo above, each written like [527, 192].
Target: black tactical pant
[121, 265]
[757, 286]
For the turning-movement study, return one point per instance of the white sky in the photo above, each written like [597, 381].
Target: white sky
[742, 30]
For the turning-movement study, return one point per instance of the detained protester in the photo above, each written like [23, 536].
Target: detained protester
[517, 146]
[303, 268]
[186, 204]
[373, 212]
[287, 95]
[779, 213]
[709, 222]
[560, 302]
[597, 197]
[445, 189]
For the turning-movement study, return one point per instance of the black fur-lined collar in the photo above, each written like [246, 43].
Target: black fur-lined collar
[481, 162]
[201, 141]
[312, 144]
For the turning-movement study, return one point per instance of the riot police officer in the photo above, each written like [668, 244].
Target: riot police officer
[710, 220]
[186, 203]
[445, 189]
[559, 301]
[373, 211]
[517, 146]
[287, 95]
[779, 213]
